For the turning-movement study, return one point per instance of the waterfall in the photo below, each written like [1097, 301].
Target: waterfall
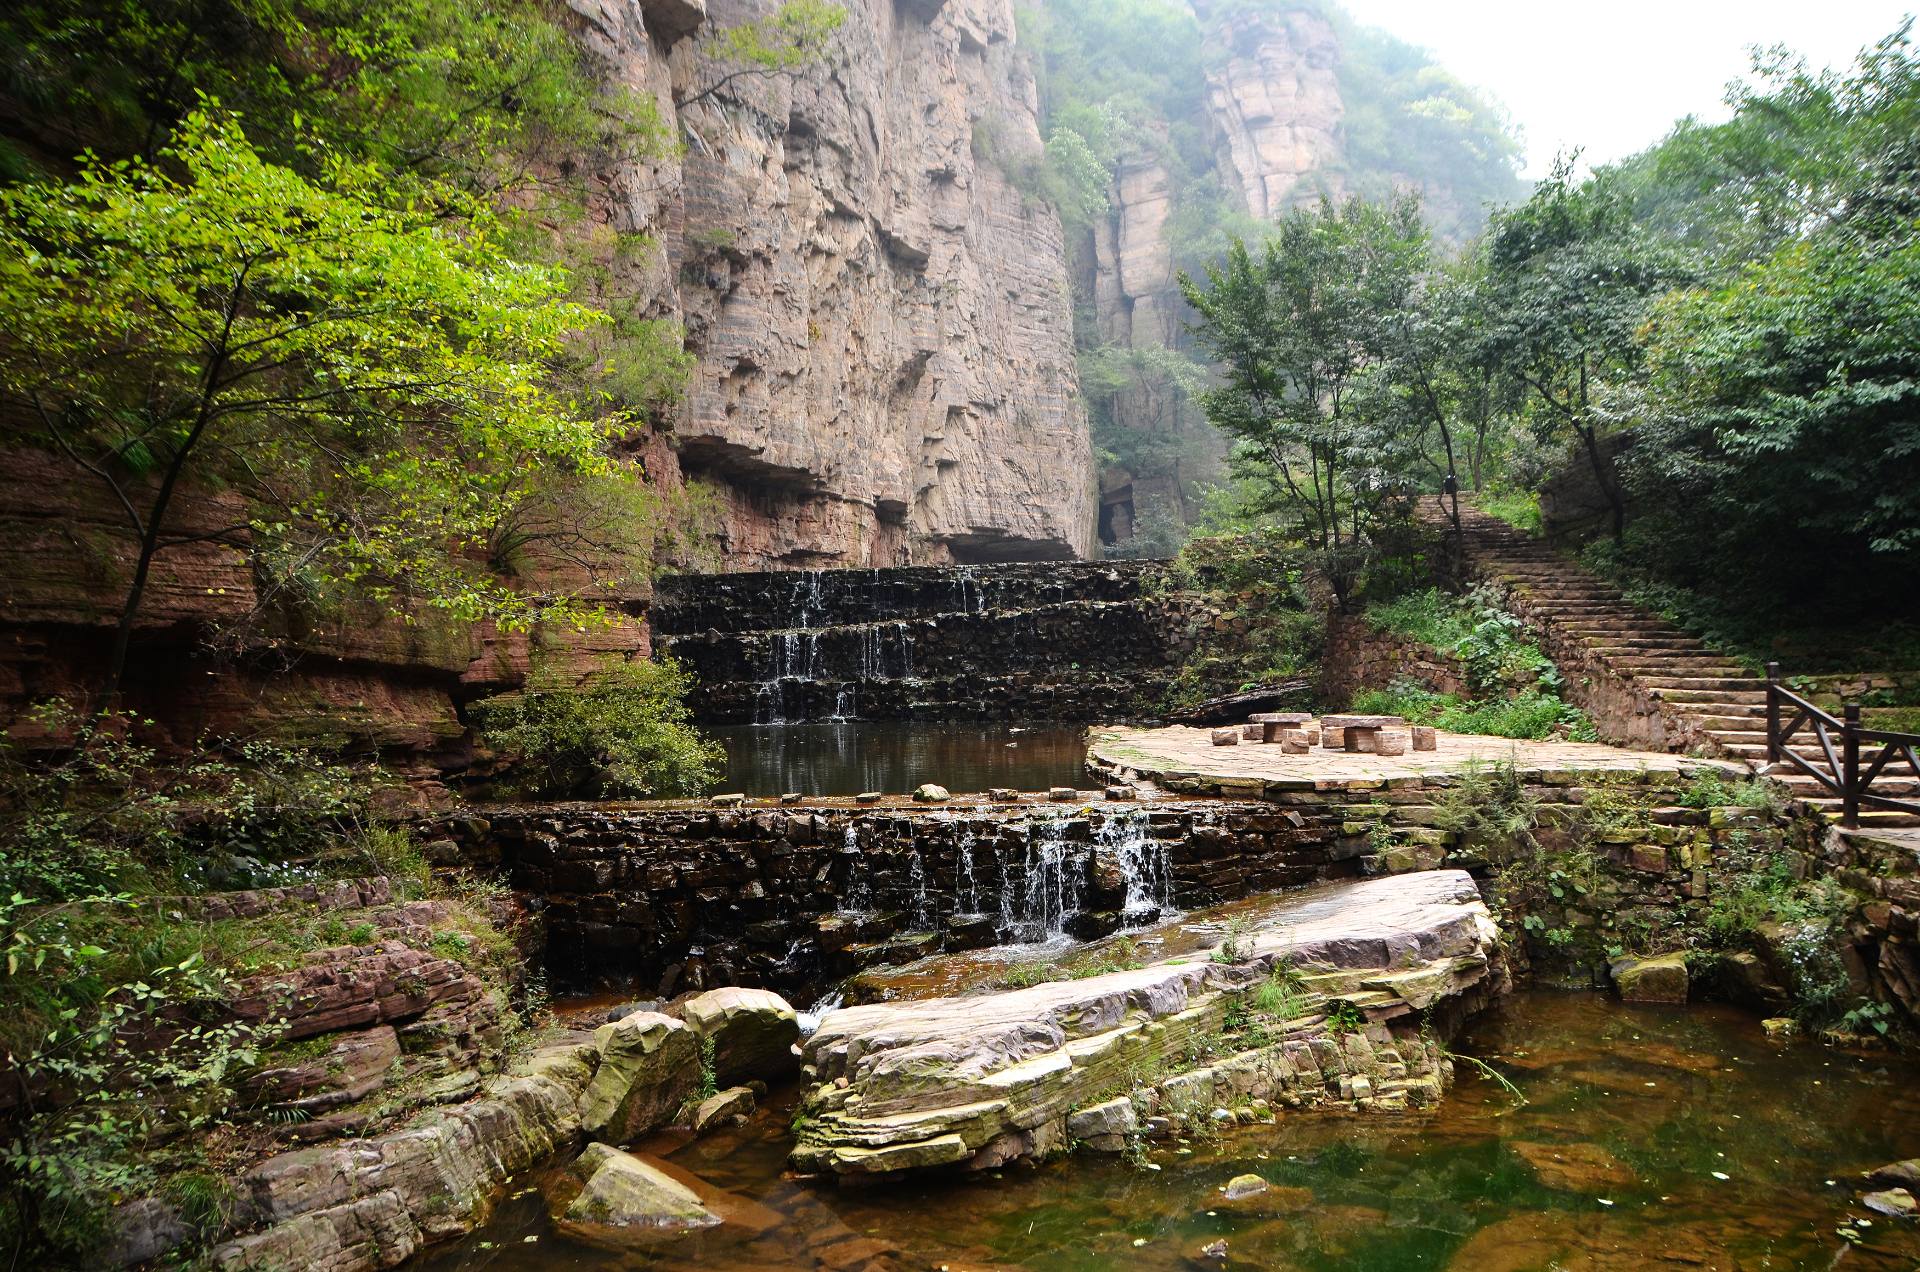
[811, 1017]
[969, 897]
[904, 636]
[859, 895]
[1145, 864]
[1006, 892]
[917, 881]
[1050, 890]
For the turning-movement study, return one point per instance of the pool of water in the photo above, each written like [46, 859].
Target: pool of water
[892, 757]
[1643, 1138]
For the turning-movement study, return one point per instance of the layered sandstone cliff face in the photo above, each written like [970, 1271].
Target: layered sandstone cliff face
[883, 323]
[1273, 109]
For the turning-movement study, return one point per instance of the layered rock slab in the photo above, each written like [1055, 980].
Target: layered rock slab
[982, 1080]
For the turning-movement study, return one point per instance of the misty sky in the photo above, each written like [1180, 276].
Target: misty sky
[1612, 77]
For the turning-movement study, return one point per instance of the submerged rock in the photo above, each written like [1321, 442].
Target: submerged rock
[619, 1190]
[982, 1080]
[735, 1104]
[1896, 1203]
[1897, 1175]
[1581, 1168]
[1662, 979]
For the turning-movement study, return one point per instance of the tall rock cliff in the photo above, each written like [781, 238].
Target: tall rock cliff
[1297, 103]
[1273, 109]
[883, 323]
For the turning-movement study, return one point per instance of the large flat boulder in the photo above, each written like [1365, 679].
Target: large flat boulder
[981, 1080]
[375, 1202]
[752, 1032]
[1661, 979]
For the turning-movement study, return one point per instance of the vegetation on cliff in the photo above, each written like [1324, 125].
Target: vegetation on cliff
[143, 1027]
[626, 734]
[1713, 341]
[311, 262]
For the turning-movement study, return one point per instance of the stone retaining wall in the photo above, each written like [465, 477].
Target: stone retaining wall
[1062, 641]
[1360, 656]
[671, 898]
[1624, 711]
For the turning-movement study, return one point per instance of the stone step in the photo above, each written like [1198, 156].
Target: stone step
[1627, 649]
[1662, 643]
[1714, 696]
[1677, 662]
[1715, 683]
[1723, 724]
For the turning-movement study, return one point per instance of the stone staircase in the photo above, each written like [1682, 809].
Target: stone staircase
[1646, 683]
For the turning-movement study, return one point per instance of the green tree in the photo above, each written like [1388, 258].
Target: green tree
[1301, 333]
[482, 92]
[1792, 155]
[625, 733]
[1570, 277]
[1784, 414]
[369, 378]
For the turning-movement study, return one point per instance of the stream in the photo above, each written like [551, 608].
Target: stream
[1648, 1138]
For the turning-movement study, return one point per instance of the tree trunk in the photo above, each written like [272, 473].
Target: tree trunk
[1603, 477]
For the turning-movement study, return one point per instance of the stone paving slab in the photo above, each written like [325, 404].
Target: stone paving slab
[1187, 755]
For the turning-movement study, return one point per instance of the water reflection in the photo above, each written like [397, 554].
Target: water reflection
[1650, 1138]
[850, 757]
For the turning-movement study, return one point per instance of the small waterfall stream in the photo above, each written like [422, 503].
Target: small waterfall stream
[1041, 882]
[1145, 865]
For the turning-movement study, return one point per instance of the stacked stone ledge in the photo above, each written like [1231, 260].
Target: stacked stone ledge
[977, 1082]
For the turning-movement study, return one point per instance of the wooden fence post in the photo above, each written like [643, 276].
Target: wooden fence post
[1850, 773]
[1773, 713]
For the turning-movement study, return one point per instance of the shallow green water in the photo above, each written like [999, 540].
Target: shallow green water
[1646, 1108]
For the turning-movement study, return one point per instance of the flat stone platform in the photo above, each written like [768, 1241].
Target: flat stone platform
[1186, 760]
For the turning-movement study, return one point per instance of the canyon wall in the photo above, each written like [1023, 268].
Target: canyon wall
[1273, 109]
[882, 321]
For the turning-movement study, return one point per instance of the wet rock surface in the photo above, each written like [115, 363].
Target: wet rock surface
[1443, 1188]
[751, 1032]
[620, 1190]
[991, 1078]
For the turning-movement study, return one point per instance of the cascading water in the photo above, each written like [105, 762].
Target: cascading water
[1146, 865]
[969, 893]
[1051, 887]
[917, 882]
[858, 898]
[809, 1019]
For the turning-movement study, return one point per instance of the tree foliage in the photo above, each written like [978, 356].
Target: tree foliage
[1125, 82]
[793, 36]
[369, 377]
[625, 733]
[1302, 332]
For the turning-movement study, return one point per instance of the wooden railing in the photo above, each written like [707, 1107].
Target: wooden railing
[1844, 762]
